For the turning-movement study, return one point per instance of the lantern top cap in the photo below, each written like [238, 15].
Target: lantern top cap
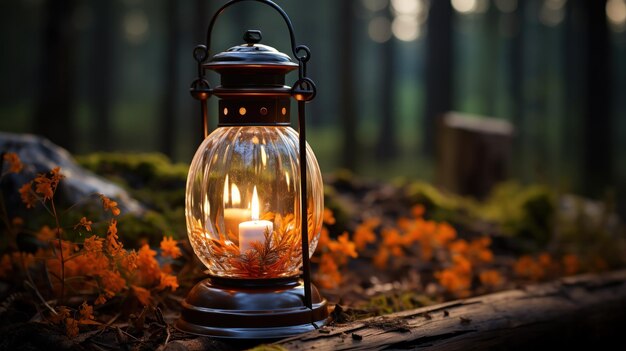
[252, 55]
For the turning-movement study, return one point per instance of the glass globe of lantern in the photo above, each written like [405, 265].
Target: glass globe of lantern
[243, 202]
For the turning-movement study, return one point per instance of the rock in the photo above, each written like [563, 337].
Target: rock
[40, 155]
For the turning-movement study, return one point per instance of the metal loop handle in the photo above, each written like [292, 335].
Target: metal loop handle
[292, 36]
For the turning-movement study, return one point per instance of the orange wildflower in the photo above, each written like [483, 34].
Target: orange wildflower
[112, 282]
[93, 244]
[143, 295]
[46, 185]
[328, 276]
[324, 238]
[527, 267]
[113, 245]
[168, 281]
[418, 211]
[15, 164]
[71, 327]
[129, 261]
[491, 278]
[109, 204]
[169, 248]
[46, 234]
[364, 233]
[458, 278]
[148, 267]
[26, 193]
[329, 218]
[381, 258]
[86, 311]
[571, 264]
[85, 223]
[100, 300]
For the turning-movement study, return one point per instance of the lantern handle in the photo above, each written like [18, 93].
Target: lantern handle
[296, 49]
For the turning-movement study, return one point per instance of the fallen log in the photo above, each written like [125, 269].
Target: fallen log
[586, 311]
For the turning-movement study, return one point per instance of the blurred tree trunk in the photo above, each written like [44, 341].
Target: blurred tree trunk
[517, 84]
[386, 147]
[203, 10]
[53, 116]
[574, 99]
[346, 63]
[102, 62]
[598, 151]
[438, 97]
[168, 116]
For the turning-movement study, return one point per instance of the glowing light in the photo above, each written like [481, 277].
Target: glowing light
[263, 156]
[226, 192]
[375, 5]
[405, 28]
[379, 29]
[406, 7]
[470, 6]
[616, 13]
[506, 6]
[464, 6]
[235, 196]
[552, 12]
[135, 26]
[254, 205]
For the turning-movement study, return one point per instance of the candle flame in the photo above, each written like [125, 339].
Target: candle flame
[235, 196]
[254, 206]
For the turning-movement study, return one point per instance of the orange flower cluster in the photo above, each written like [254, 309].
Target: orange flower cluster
[14, 162]
[99, 266]
[544, 266]
[411, 233]
[66, 317]
[334, 254]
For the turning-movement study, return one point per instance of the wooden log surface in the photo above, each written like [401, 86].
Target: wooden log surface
[584, 312]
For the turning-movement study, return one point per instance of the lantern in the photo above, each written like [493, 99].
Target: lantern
[254, 198]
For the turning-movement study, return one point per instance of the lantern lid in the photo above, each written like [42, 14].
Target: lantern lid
[252, 55]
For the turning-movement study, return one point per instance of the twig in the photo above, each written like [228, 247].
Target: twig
[29, 284]
[167, 340]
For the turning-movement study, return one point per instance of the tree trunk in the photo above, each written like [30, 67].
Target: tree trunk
[598, 152]
[386, 147]
[438, 67]
[102, 62]
[168, 116]
[347, 88]
[54, 111]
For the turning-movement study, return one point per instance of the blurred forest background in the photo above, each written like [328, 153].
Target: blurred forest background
[96, 75]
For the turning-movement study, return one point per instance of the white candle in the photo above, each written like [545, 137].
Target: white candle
[254, 230]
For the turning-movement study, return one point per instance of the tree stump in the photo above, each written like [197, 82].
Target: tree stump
[473, 153]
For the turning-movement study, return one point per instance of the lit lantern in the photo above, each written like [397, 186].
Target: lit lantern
[253, 219]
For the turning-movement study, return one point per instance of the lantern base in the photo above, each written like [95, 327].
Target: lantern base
[264, 309]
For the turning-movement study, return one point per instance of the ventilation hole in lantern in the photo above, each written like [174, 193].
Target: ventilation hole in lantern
[225, 111]
[263, 111]
[242, 111]
[283, 111]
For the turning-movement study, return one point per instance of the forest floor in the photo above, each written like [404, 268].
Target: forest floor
[85, 278]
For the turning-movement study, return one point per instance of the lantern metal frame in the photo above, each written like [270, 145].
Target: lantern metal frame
[303, 91]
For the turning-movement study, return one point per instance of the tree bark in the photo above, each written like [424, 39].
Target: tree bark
[438, 73]
[168, 116]
[54, 111]
[102, 62]
[598, 151]
[587, 311]
[347, 88]
[387, 146]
